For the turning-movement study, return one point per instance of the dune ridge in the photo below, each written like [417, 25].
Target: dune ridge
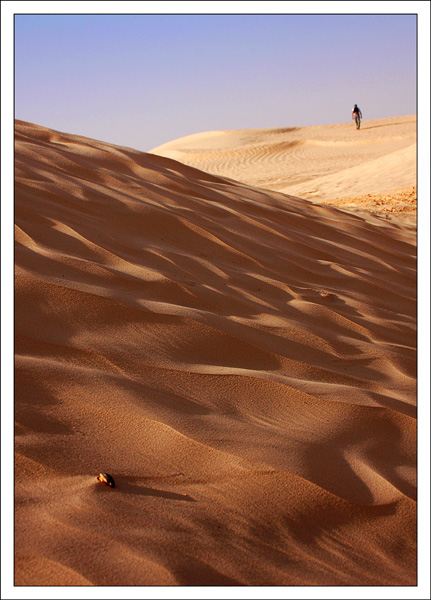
[323, 163]
[242, 361]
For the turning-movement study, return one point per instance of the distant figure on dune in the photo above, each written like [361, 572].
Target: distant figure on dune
[357, 115]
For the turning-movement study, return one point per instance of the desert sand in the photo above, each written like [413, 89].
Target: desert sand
[241, 360]
[372, 171]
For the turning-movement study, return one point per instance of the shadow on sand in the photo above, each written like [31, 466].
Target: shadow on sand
[124, 485]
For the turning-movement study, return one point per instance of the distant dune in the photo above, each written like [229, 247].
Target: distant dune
[241, 361]
[333, 164]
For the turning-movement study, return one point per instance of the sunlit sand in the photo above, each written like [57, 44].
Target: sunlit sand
[233, 347]
[372, 169]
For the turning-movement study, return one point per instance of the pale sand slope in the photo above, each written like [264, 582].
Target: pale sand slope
[328, 163]
[241, 361]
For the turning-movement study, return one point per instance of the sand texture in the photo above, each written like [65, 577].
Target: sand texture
[243, 362]
[331, 164]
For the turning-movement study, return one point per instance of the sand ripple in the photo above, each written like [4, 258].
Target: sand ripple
[325, 163]
[243, 362]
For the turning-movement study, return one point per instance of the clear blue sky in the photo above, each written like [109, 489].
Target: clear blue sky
[143, 80]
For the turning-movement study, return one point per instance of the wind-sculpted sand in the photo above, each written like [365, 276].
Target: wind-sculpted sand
[243, 363]
[328, 164]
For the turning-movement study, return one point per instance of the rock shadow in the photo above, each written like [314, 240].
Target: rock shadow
[127, 485]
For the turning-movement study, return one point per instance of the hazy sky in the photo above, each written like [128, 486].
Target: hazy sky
[143, 80]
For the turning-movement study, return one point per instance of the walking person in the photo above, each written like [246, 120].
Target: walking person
[357, 115]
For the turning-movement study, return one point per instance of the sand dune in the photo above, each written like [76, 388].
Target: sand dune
[324, 163]
[243, 363]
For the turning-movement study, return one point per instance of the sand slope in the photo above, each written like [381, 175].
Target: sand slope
[241, 361]
[324, 163]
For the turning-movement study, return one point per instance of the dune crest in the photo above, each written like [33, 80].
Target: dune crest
[242, 361]
[323, 163]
